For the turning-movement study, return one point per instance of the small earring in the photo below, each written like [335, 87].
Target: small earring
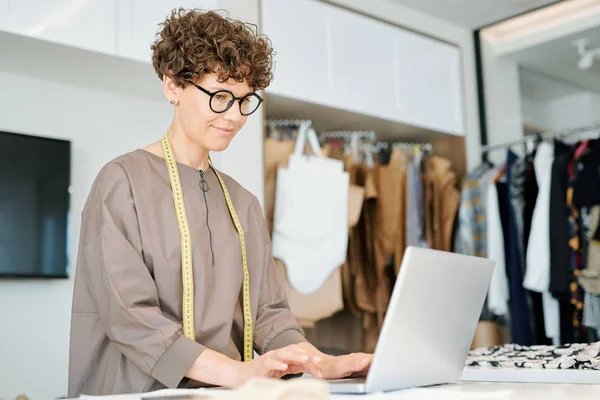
[172, 101]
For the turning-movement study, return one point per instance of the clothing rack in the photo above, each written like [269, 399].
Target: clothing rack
[364, 135]
[288, 122]
[543, 136]
[403, 145]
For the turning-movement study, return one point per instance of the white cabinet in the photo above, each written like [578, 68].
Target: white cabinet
[428, 83]
[79, 23]
[363, 62]
[4, 4]
[301, 35]
[139, 21]
[332, 56]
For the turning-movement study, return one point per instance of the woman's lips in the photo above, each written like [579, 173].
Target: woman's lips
[224, 131]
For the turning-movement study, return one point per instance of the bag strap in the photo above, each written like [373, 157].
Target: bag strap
[306, 132]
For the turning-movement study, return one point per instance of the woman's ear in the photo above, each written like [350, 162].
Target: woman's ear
[171, 89]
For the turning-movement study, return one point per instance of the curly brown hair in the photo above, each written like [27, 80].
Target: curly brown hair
[192, 43]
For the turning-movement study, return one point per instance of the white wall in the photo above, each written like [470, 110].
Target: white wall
[398, 14]
[503, 117]
[556, 105]
[35, 315]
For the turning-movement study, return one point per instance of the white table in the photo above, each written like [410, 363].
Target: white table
[457, 391]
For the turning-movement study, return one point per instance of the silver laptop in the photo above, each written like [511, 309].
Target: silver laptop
[430, 322]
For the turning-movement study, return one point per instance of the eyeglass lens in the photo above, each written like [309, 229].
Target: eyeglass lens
[223, 100]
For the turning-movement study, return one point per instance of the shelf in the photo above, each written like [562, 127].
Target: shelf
[325, 118]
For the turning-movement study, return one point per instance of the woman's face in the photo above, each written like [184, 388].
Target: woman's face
[200, 124]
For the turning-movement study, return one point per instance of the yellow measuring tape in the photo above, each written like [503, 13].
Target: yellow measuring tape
[186, 253]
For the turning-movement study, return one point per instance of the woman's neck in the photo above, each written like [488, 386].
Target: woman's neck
[188, 152]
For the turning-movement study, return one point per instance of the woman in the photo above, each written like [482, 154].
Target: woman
[175, 285]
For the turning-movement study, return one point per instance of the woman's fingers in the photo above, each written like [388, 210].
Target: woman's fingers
[291, 354]
[356, 363]
[301, 359]
[366, 362]
[347, 365]
[273, 364]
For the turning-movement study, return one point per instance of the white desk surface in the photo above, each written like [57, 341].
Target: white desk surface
[458, 391]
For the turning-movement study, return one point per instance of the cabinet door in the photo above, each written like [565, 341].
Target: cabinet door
[363, 61]
[85, 24]
[428, 83]
[139, 23]
[301, 35]
[4, 7]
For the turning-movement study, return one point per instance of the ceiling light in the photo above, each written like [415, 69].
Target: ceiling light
[586, 56]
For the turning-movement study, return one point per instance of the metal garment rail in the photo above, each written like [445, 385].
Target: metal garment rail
[544, 136]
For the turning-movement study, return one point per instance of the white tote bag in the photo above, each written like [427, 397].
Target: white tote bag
[310, 224]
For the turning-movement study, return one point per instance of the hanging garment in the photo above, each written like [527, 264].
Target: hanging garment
[530, 192]
[559, 225]
[366, 282]
[388, 179]
[470, 238]
[537, 273]
[586, 187]
[359, 272]
[415, 214]
[357, 279]
[586, 197]
[516, 190]
[591, 312]
[559, 242]
[428, 203]
[328, 299]
[511, 222]
[498, 294]
[575, 247]
[589, 278]
[519, 308]
[485, 181]
[399, 160]
[571, 356]
[310, 226]
[313, 307]
[443, 200]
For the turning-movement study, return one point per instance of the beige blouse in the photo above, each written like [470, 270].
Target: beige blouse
[126, 329]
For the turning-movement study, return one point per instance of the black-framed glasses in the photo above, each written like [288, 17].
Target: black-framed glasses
[222, 100]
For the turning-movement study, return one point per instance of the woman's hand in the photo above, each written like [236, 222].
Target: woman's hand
[355, 364]
[291, 359]
[332, 367]
[218, 369]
